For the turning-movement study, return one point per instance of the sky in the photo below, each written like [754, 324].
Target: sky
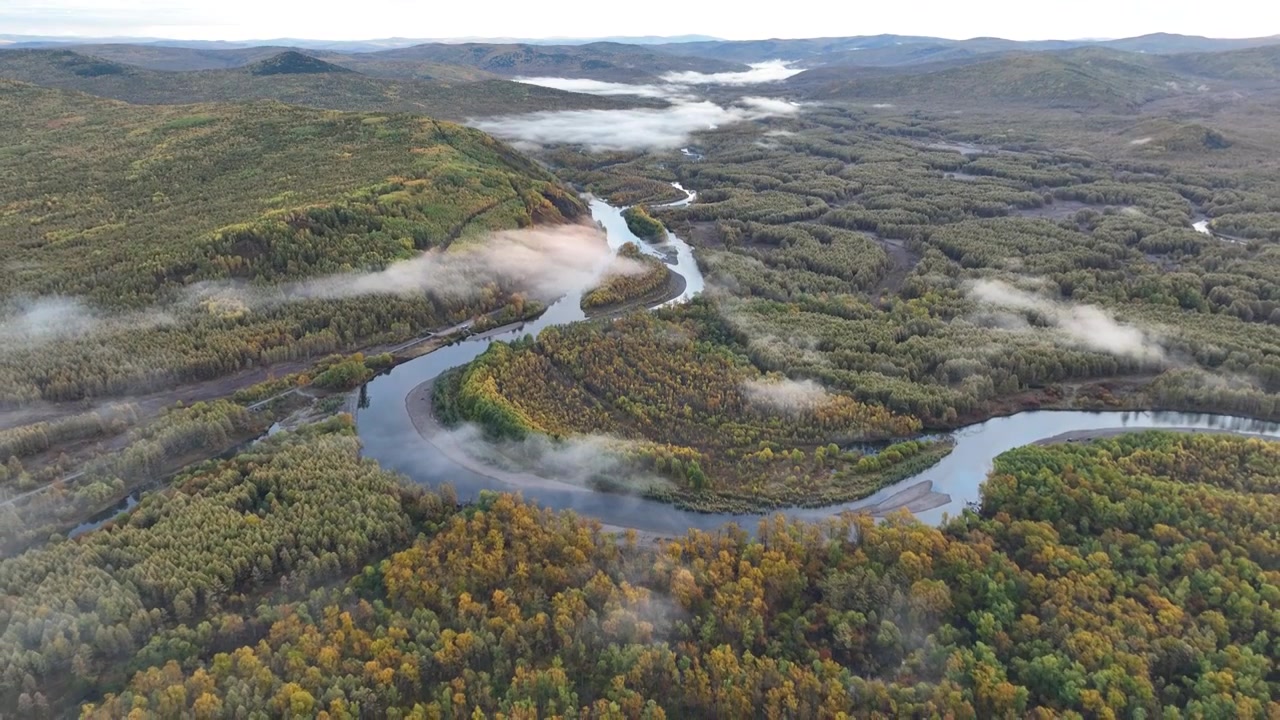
[368, 19]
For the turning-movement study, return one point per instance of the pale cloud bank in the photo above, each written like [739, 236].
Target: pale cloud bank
[545, 262]
[761, 72]
[675, 85]
[1086, 326]
[792, 396]
[32, 322]
[631, 129]
[601, 87]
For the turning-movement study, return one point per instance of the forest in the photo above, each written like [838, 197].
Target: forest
[930, 283]
[168, 233]
[1127, 577]
[858, 260]
[631, 277]
[644, 225]
[370, 84]
[691, 409]
[46, 495]
[188, 527]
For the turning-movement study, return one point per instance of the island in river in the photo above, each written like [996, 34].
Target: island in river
[395, 426]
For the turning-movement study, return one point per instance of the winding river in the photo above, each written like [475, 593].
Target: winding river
[389, 436]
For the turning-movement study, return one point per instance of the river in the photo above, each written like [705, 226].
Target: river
[389, 436]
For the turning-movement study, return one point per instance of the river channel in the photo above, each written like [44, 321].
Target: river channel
[389, 436]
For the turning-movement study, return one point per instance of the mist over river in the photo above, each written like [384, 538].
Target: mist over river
[389, 435]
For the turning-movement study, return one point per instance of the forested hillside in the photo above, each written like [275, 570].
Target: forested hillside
[114, 213]
[173, 58]
[193, 297]
[1077, 78]
[1128, 577]
[602, 60]
[289, 77]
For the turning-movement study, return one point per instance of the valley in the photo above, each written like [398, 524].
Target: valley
[838, 377]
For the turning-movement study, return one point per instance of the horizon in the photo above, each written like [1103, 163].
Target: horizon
[11, 38]
[244, 21]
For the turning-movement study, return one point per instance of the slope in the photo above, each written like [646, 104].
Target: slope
[601, 61]
[111, 212]
[1261, 63]
[1082, 78]
[323, 85]
[175, 59]
[172, 58]
[902, 46]
[1169, 43]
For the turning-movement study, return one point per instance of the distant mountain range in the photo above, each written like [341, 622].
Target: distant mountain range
[618, 62]
[44, 41]
[290, 77]
[1081, 77]
[888, 50]
[459, 80]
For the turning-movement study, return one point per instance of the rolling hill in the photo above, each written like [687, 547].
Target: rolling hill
[289, 77]
[173, 58]
[113, 214]
[1260, 63]
[749, 51]
[1081, 78]
[889, 50]
[96, 191]
[1169, 43]
[600, 61]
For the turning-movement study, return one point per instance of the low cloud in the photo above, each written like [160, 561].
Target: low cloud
[600, 87]
[770, 106]
[632, 129]
[674, 85]
[546, 262]
[31, 322]
[785, 394]
[761, 72]
[1086, 326]
[585, 461]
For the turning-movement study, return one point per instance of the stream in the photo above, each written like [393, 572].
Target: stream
[389, 436]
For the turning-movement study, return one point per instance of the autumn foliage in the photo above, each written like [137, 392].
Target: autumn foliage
[1128, 578]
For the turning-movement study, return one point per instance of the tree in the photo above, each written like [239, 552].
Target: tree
[696, 477]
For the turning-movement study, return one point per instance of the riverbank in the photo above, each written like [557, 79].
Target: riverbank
[672, 289]
[919, 497]
[1079, 436]
[418, 404]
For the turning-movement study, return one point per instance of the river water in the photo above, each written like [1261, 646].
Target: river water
[388, 435]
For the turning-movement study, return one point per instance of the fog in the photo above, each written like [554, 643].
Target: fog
[31, 322]
[761, 72]
[1086, 326]
[600, 87]
[785, 394]
[675, 85]
[632, 129]
[582, 460]
[544, 262]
